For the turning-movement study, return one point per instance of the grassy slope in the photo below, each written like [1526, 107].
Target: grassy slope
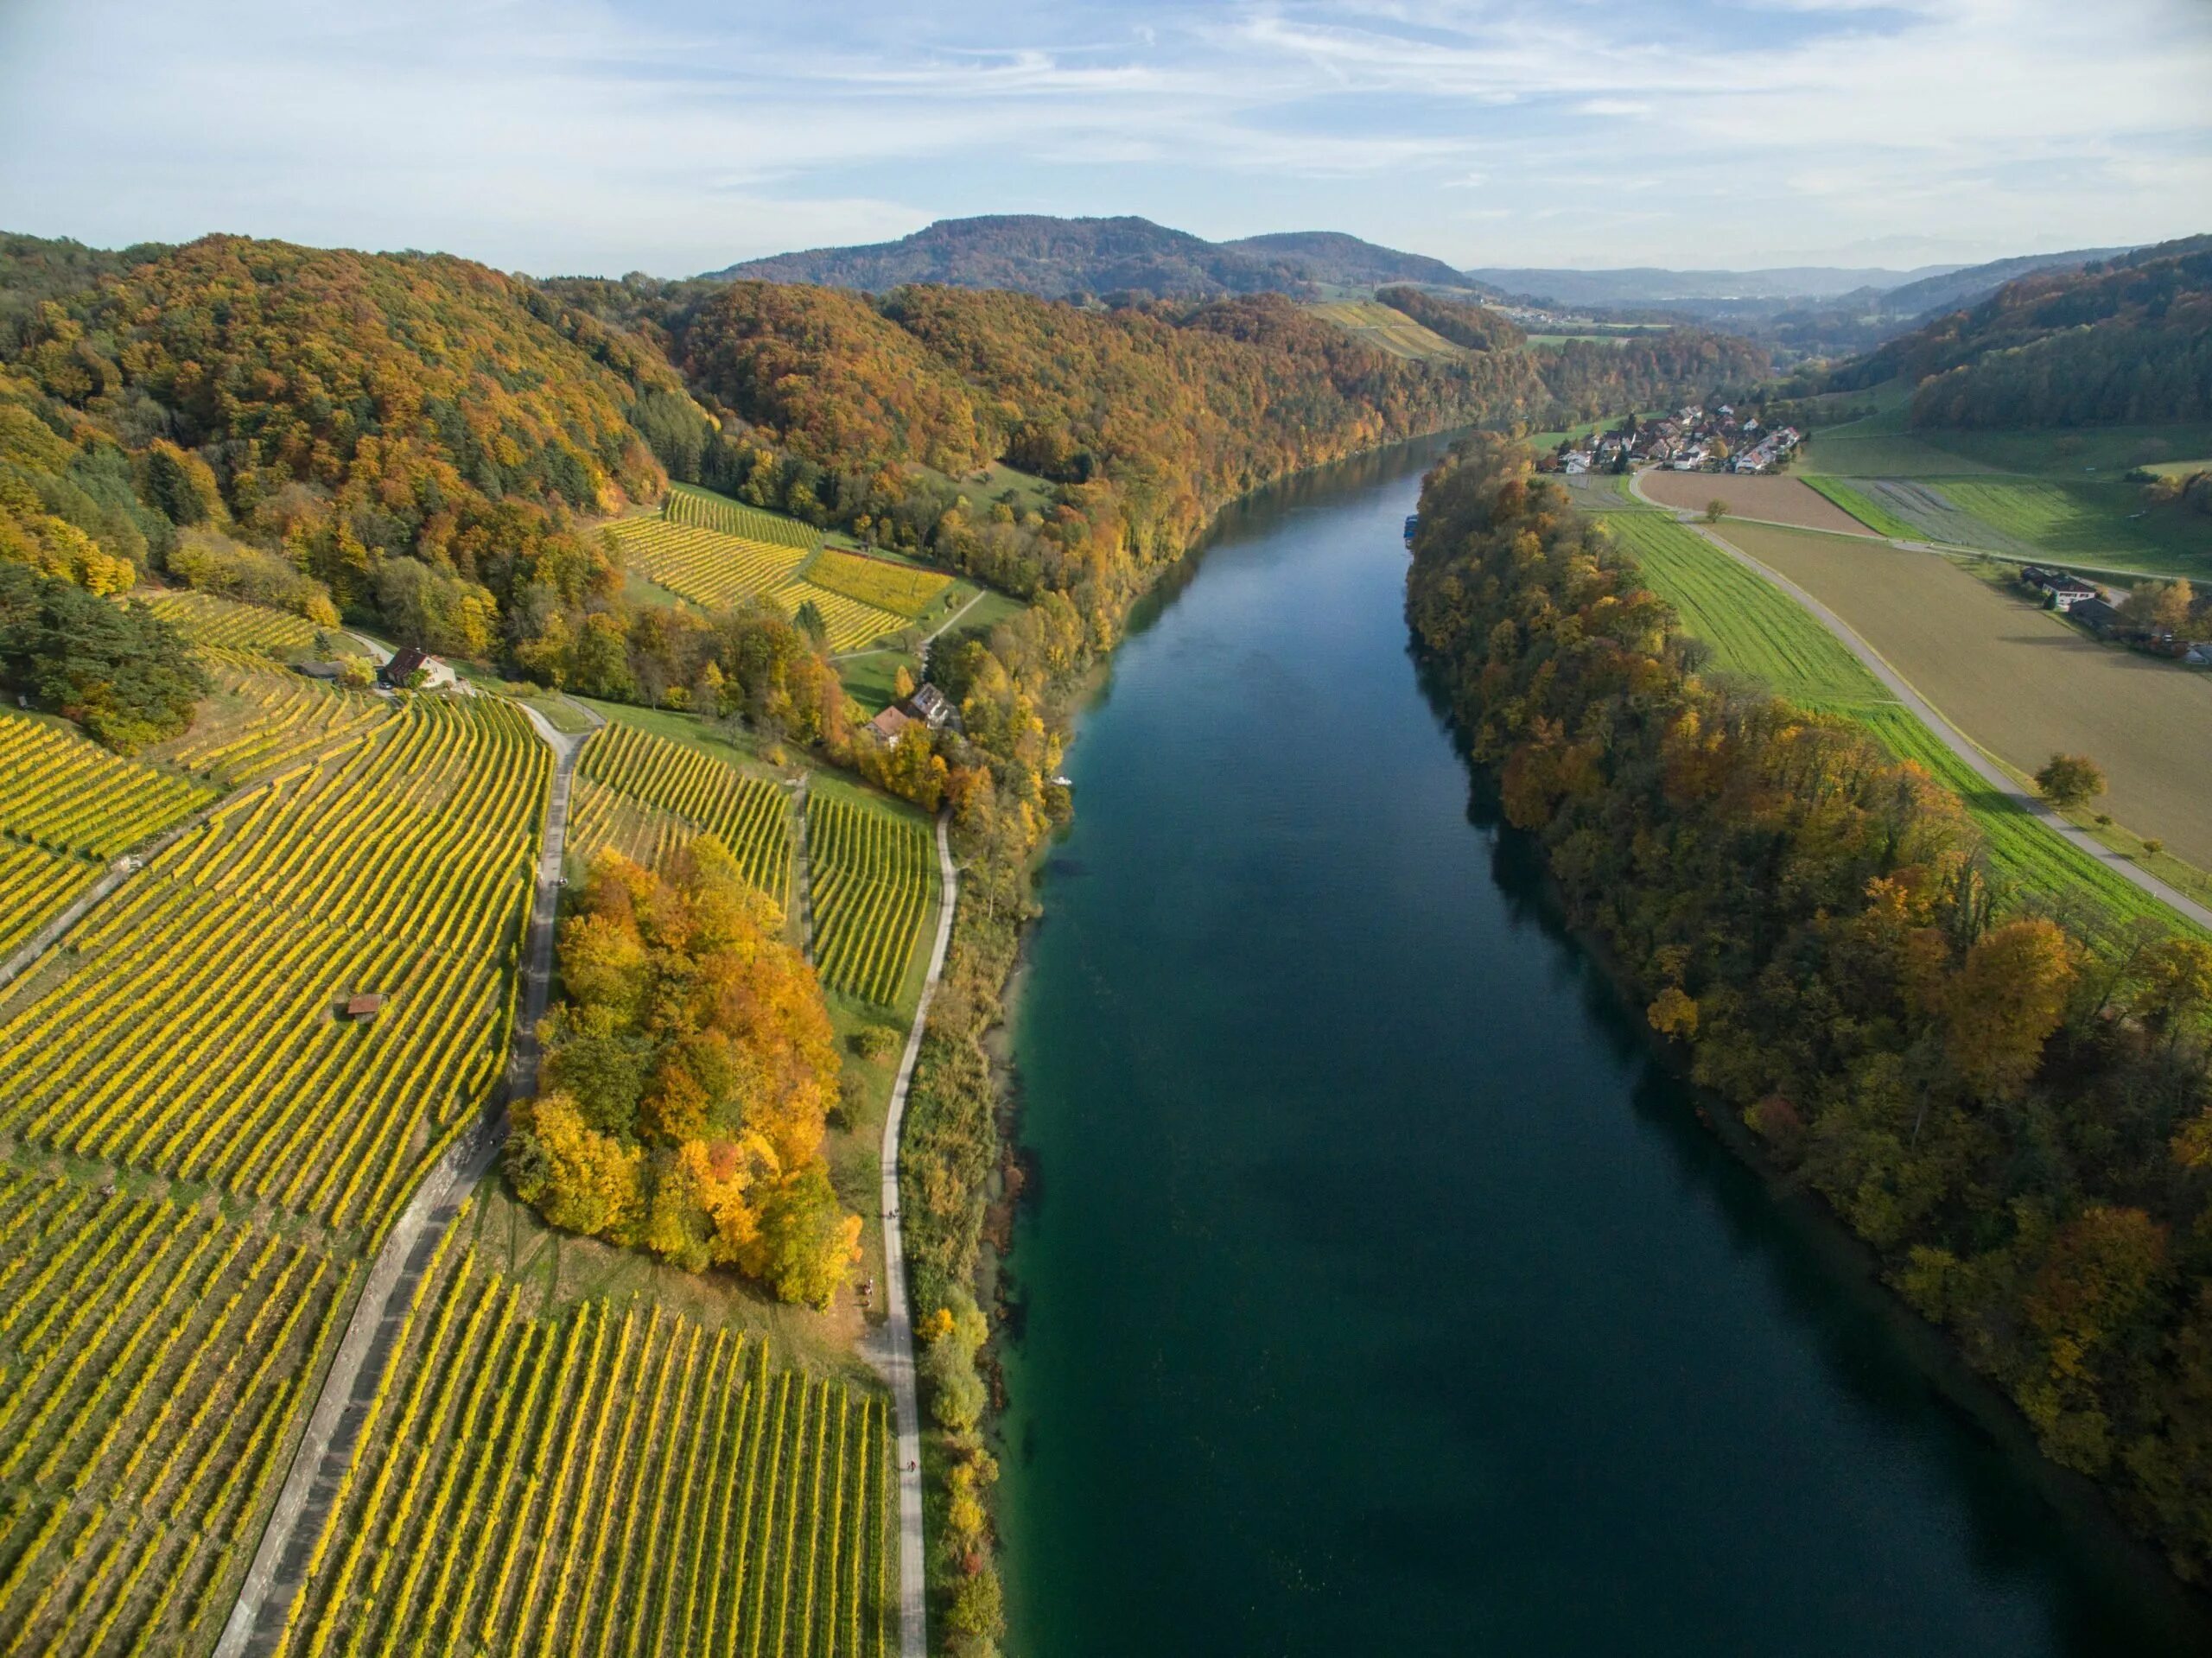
[1760, 632]
[2043, 492]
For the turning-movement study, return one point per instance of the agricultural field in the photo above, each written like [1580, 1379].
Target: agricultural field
[260, 718]
[67, 794]
[716, 570]
[2019, 681]
[905, 590]
[1780, 499]
[707, 567]
[1758, 631]
[688, 504]
[598, 1479]
[682, 791]
[1373, 323]
[1753, 627]
[1858, 500]
[36, 886]
[156, 1348]
[195, 1031]
[872, 872]
[204, 619]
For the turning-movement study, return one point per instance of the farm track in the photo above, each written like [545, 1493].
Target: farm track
[893, 1348]
[319, 1463]
[1952, 738]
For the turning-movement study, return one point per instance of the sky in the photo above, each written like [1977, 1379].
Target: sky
[574, 137]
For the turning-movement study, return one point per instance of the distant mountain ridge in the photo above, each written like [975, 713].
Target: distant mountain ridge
[1651, 285]
[1074, 258]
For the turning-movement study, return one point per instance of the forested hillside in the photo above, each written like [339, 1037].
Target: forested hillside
[2127, 340]
[2016, 1119]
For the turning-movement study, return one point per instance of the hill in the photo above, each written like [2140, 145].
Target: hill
[1078, 259]
[1953, 289]
[1332, 256]
[2125, 339]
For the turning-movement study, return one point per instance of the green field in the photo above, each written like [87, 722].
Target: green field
[1865, 508]
[1754, 628]
[872, 869]
[1757, 631]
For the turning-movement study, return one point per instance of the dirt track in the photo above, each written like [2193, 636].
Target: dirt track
[1749, 495]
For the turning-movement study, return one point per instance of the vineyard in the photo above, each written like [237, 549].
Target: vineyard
[716, 570]
[36, 886]
[60, 791]
[750, 816]
[872, 874]
[198, 1034]
[153, 1353]
[903, 589]
[688, 504]
[612, 1479]
[206, 620]
[261, 718]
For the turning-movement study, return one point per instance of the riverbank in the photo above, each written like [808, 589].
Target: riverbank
[1378, 1291]
[1808, 933]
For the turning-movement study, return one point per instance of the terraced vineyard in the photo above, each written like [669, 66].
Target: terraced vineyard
[715, 569]
[207, 620]
[902, 589]
[36, 886]
[66, 794]
[706, 566]
[155, 1351]
[196, 1033]
[606, 1479]
[261, 718]
[750, 816]
[688, 504]
[871, 873]
[600, 817]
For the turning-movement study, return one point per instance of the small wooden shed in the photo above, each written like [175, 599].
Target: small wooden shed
[364, 1008]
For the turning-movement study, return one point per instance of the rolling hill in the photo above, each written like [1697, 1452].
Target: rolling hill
[1074, 258]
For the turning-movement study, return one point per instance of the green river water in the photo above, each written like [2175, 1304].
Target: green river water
[1378, 1291]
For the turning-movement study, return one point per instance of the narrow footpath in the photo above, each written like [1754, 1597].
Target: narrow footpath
[318, 1466]
[1953, 738]
[893, 1348]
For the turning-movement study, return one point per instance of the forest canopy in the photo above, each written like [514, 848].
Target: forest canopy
[687, 1075]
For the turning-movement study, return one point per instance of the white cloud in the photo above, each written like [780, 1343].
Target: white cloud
[579, 134]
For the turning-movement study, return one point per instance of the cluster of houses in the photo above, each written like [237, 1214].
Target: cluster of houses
[1693, 439]
[928, 706]
[2095, 608]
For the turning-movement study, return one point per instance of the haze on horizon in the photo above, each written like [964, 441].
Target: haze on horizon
[672, 135]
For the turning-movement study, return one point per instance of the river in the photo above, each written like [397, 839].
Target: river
[1378, 1291]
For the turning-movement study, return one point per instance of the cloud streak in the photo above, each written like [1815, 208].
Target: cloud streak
[589, 135]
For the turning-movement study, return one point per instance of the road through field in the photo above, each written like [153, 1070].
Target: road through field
[2021, 682]
[1958, 744]
[318, 1464]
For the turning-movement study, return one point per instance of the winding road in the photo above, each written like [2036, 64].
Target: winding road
[318, 1464]
[1953, 738]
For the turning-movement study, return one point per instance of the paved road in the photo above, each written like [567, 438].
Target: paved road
[1953, 738]
[893, 1349]
[319, 1463]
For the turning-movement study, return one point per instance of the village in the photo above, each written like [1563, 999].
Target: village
[1691, 440]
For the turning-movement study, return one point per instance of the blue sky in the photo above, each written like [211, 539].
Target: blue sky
[604, 136]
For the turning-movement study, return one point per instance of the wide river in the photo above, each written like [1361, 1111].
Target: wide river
[1380, 1294]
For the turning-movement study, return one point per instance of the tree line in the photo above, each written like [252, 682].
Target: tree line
[2017, 1118]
